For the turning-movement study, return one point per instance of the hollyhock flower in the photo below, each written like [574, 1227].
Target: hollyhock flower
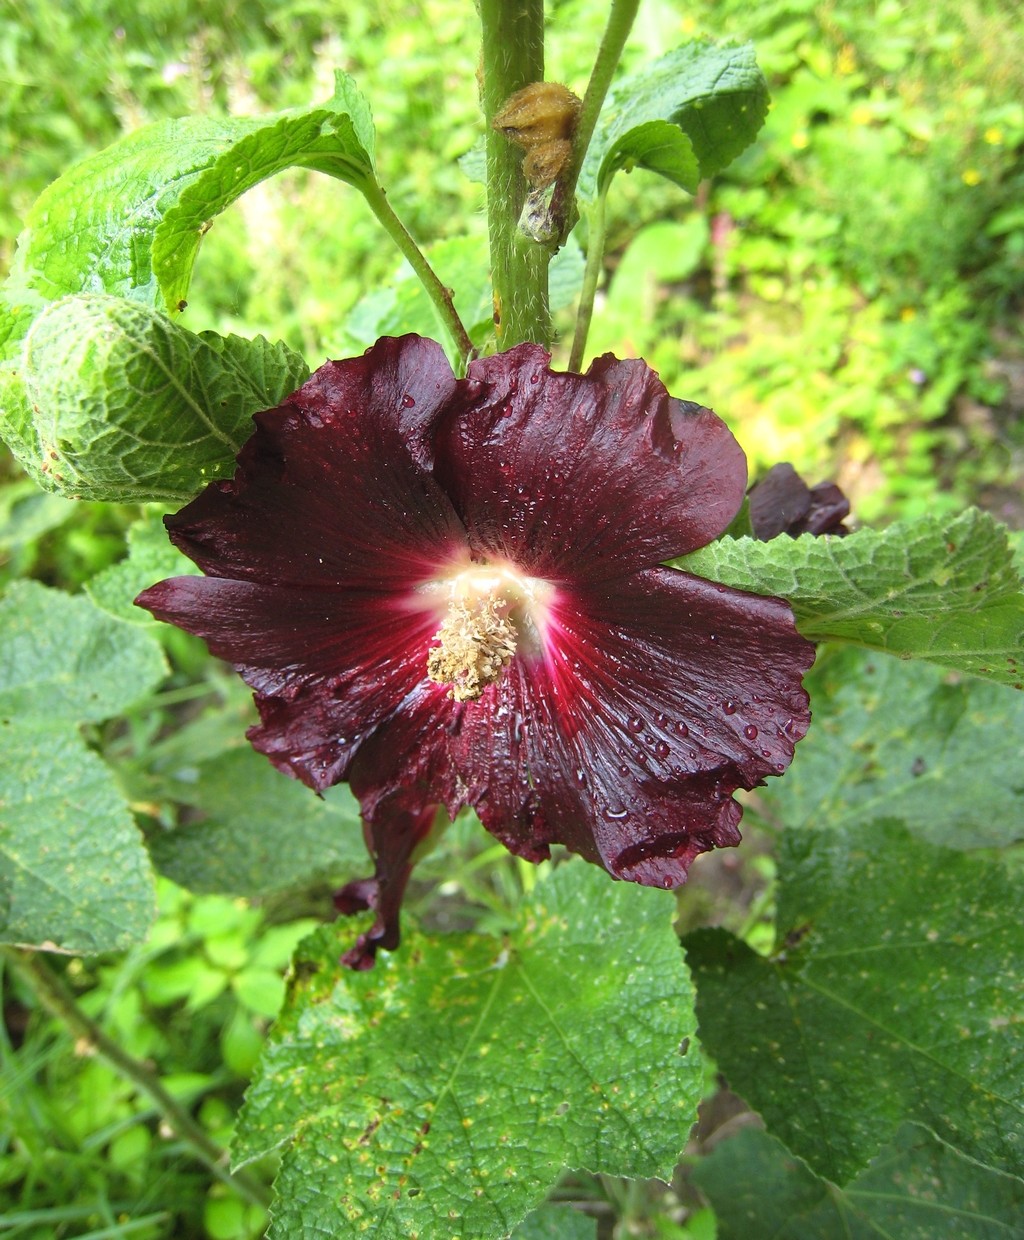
[451, 591]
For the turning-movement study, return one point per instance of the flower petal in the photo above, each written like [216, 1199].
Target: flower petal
[399, 775]
[391, 842]
[659, 696]
[334, 487]
[584, 476]
[327, 666]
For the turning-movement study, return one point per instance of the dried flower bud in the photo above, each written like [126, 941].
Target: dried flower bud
[541, 118]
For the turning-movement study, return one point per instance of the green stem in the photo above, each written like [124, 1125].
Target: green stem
[56, 996]
[591, 277]
[512, 57]
[436, 291]
[620, 22]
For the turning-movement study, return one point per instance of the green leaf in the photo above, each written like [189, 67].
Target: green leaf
[894, 994]
[169, 981]
[128, 406]
[91, 231]
[336, 139]
[686, 116]
[918, 1188]
[74, 875]
[658, 146]
[62, 660]
[261, 831]
[133, 215]
[26, 513]
[128, 221]
[455, 1080]
[259, 990]
[73, 872]
[151, 557]
[16, 426]
[936, 588]
[893, 734]
[556, 1223]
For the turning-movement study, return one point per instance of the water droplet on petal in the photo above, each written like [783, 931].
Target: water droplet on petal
[682, 729]
[661, 749]
[535, 378]
[408, 402]
[713, 637]
[729, 707]
[750, 732]
[615, 813]
[634, 723]
[581, 779]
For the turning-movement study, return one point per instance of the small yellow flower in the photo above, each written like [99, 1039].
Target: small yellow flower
[994, 135]
[846, 61]
[800, 140]
[907, 314]
[971, 176]
[861, 114]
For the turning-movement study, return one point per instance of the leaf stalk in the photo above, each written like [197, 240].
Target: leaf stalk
[436, 291]
[591, 278]
[620, 21]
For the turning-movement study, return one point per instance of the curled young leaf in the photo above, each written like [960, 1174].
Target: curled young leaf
[128, 406]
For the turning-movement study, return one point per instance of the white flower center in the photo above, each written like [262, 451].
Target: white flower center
[491, 612]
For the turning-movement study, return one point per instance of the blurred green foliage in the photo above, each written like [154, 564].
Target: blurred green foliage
[855, 307]
[84, 1151]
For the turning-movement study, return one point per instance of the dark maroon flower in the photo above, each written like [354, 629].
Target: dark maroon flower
[782, 503]
[451, 591]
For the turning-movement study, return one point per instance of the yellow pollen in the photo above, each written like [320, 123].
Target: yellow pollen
[475, 644]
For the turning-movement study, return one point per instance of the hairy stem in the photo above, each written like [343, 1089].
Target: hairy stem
[512, 57]
[56, 996]
[620, 22]
[591, 277]
[436, 291]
